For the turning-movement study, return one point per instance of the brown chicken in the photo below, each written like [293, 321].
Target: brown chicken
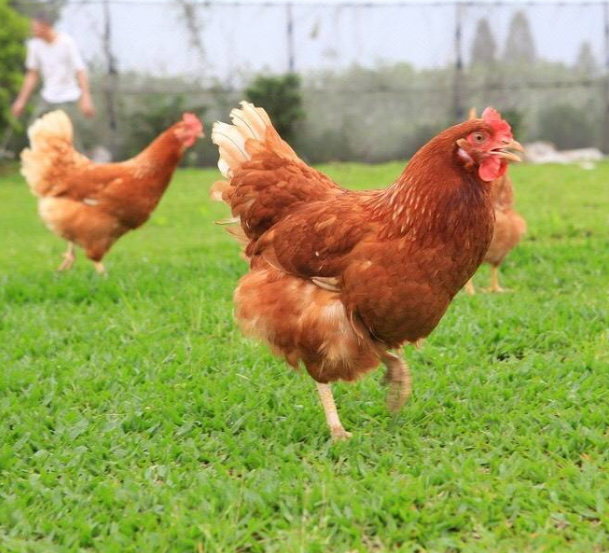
[338, 279]
[91, 204]
[509, 229]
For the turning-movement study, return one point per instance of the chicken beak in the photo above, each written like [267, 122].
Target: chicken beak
[506, 153]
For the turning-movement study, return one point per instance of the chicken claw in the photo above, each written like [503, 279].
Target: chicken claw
[340, 435]
[399, 380]
[68, 258]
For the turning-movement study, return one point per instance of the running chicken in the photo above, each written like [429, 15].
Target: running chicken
[93, 205]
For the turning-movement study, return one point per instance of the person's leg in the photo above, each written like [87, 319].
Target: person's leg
[42, 107]
[71, 108]
[73, 112]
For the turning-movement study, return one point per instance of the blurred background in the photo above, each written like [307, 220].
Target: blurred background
[366, 81]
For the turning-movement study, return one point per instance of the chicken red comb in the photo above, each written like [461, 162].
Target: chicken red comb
[493, 118]
[193, 122]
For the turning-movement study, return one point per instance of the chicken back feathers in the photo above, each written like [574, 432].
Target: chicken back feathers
[94, 204]
[338, 277]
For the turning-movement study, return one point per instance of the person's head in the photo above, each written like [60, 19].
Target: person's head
[42, 26]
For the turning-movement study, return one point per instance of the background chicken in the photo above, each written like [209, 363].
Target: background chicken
[93, 205]
[509, 228]
[339, 278]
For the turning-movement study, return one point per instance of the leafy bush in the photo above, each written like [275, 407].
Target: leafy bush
[516, 120]
[566, 126]
[13, 32]
[326, 146]
[420, 136]
[282, 99]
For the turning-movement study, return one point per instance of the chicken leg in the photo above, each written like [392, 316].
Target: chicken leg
[397, 376]
[469, 287]
[495, 287]
[68, 258]
[101, 270]
[327, 400]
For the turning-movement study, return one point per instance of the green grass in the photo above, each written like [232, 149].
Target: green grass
[135, 418]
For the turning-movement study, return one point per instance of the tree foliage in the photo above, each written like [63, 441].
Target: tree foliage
[281, 97]
[13, 32]
[566, 126]
[520, 45]
[484, 46]
[586, 62]
[516, 120]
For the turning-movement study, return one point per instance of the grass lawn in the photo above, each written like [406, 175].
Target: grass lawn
[135, 418]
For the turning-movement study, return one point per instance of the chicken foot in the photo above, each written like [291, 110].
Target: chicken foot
[68, 258]
[397, 376]
[327, 400]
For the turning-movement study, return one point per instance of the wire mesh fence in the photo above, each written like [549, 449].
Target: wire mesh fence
[377, 78]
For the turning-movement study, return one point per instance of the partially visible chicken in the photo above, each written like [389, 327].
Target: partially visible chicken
[339, 278]
[509, 228]
[91, 204]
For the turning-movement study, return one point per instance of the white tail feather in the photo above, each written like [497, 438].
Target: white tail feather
[249, 122]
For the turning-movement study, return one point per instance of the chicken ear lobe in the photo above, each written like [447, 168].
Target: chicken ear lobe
[462, 152]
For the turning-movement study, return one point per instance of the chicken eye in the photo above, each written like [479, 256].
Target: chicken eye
[478, 137]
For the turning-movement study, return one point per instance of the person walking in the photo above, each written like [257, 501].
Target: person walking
[55, 57]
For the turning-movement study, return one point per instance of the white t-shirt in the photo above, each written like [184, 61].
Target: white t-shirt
[58, 63]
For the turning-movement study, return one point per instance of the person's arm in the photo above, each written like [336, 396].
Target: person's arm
[28, 86]
[85, 103]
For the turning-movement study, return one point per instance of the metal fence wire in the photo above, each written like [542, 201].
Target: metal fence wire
[377, 78]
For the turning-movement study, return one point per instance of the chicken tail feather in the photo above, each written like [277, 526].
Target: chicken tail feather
[216, 192]
[50, 147]
[250, 131]
[55, 124]
[265, 180]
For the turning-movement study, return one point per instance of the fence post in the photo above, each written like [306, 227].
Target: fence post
[458, 78]
[605, 133]
[290, 37]
[111, 82]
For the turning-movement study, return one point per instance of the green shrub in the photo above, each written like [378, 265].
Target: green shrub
[282, 99]
[13, 32]
[516, 120]
[420, 136]
[566, 126]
